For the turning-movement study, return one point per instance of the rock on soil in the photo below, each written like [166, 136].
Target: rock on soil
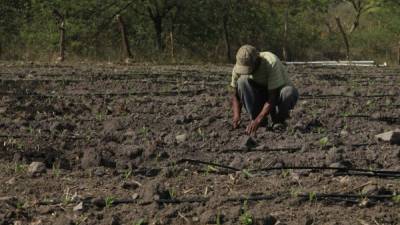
[261, 218]
[36, 168]
[91, 158]
[392, 136]
[181, 138]
[247, 142]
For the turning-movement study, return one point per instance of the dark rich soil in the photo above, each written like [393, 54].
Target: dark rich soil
[108, 138]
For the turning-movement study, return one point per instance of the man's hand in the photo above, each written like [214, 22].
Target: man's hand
[253, 126]
[236, 121]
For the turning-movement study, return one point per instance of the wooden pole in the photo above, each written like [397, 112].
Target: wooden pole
[62, 43]
[125, 42]
[398, 54]
[285, 35]
[171, 37]
[346, 41]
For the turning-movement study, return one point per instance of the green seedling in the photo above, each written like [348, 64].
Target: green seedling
[285, 173]
[211, 169]
[246, 218]
[144, 131]
[68, 197]
[345, 114]
[294, 193]
[56, 170]
[312, 196]
[99, 116]
[172, 193]
[109, 201]
[218, 219]
[19, 168]
[247, 174]
[200, 132]
[140, 222]
[127, 174]
[323, 142]
[396, 199]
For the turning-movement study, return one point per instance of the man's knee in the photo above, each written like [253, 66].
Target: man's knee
[243, 83]
[289, 95]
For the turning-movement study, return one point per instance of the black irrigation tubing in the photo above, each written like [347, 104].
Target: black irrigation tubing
[289, 149]
[281, 149]
[377, 173]
[338, 195]
[195, 161]
[354, 198]
[46, 136]
[61, 95]
[381, 118]
[327, 96]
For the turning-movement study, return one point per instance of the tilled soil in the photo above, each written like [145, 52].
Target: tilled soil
[155, 145]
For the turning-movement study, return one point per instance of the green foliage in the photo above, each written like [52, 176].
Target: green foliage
[245, 218]
[323, 142]
[141, 221]
[198, 30]
[109, 201]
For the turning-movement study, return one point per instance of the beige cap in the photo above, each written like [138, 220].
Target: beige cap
[246, 58]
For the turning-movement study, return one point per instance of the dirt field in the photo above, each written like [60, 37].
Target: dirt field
[154, 145]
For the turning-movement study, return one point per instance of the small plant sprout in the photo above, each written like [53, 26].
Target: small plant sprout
[172, 193]
[144, 131]
[285, 173]
[245, 218]
[127, 174]
[312, 196]
[218, 219]
[141, 221]
[323, 142]
[56, 169]
[200, 132]
[294, 193]
[247, 174]
[211, 169]
[109, 201]
[19, 168]
[68, 197]
[396, 199]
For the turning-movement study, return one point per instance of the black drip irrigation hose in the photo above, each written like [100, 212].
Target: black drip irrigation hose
[312, 196]
[61, 95]
[286, 149]
[308, 96]
[341, 171]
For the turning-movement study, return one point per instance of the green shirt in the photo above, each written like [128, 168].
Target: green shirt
[271, 73]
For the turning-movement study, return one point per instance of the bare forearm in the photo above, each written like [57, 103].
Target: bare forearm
[236, 105]
[265, 111]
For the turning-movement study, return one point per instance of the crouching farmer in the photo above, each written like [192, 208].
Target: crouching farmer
[262, 86]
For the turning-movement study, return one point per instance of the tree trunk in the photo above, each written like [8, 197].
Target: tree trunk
[226, 37]
[346, 41]
[285, 35]
[125, 42]
[62, 43]
[158, 28]
[171, 38]
[398, 54]
[60, 19]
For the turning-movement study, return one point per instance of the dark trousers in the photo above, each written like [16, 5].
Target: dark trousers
[253, 97]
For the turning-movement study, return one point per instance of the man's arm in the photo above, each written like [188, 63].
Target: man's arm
[268, 106]
[236, 108]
